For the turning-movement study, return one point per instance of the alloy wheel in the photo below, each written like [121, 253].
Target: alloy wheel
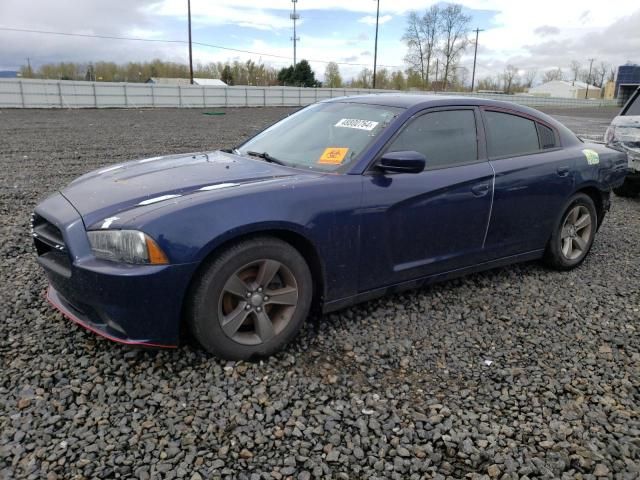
[257, 302]
[576, 232]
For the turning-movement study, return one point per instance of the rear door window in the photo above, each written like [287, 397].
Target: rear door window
[510, 135]
[547, 137]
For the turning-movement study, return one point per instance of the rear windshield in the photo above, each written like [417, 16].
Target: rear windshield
[633, 107]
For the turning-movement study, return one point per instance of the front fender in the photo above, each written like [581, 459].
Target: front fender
[324, 212]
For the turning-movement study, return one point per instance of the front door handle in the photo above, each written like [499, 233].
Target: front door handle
[563, 170]
[480, 190]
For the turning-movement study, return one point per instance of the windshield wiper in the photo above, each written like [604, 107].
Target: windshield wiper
[230, 150]
[266, 157]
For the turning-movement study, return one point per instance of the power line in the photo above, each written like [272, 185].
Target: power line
[158, 40]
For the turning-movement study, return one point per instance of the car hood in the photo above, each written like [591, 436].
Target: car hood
[104, 193]
[626, 135]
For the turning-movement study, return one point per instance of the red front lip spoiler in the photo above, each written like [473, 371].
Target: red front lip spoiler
[55, 303]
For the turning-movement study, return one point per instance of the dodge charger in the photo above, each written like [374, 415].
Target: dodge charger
[341, 202]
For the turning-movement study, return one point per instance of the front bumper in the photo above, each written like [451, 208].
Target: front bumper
[105, 330]
[132, 304]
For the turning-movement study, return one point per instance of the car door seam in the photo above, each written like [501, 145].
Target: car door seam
[493, 191]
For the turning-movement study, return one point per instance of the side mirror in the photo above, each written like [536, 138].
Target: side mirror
[402, 162]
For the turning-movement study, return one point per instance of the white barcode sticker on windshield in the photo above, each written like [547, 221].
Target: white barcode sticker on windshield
[357, 123]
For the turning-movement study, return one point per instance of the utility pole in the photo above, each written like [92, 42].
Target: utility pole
[190, 51]
[375, 49]
[29, 71]
[475, 54]
[294, 16]
[586, 93]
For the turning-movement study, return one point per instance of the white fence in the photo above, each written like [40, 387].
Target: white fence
[20, 93]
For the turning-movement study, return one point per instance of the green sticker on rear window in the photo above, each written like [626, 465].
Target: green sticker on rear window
[592, 156]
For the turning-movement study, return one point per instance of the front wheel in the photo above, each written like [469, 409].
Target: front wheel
[251, 300]
[573, 236]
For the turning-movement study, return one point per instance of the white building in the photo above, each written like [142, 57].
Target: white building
[565, 89]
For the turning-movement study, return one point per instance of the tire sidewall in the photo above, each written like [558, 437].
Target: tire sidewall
[555, 243]
[204, 320]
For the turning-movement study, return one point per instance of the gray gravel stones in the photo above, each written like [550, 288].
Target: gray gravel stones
[515, 373]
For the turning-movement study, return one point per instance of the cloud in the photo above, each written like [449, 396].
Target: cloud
[585, 16]
[116, 17]
[546, 30]
[578, 31]
[604, 45]
[371, 19]
[207, 13]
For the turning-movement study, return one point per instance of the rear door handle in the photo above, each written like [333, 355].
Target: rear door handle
[480, 190]
[563, 170]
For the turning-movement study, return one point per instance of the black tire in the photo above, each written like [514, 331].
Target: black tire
[629, 189]
[210, 295]
[555, 255]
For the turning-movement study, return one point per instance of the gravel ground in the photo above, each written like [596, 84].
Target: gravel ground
[519, 372]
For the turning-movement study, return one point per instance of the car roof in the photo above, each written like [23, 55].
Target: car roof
[404, 100]
[418, 102]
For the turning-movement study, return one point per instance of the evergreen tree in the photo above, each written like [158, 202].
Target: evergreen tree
[303, 76]
[299, 76]
[285, 76]
[227, 76]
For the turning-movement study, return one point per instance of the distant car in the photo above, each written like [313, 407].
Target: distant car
[341, 202]
[624, 135]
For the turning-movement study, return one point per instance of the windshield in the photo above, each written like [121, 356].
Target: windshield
[324, 136]
[633, 107]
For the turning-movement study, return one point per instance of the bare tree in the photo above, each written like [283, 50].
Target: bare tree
[489, 83]
[575, 68]
[530, 77]
[431, 31]
[612, 74]
[462, 76]
[601, 73]
[509, 78]
[455, 26]
[584, 76]
[414, 38]
[552, 75]
[332, 78]
[363, 80]
[422, 37]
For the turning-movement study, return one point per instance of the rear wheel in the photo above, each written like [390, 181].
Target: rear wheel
[629, 188]
[573, 236]
[251, 300]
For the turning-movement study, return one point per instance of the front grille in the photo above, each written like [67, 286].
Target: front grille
[49, 243]
[46, 235]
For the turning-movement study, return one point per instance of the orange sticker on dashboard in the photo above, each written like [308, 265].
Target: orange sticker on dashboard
[333, 155]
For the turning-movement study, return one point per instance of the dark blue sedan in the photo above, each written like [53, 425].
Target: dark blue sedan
[341, 202]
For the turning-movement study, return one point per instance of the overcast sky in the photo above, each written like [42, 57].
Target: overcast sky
[541, 34]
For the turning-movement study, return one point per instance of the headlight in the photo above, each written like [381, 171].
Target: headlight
[610, 135]
[127, 246]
